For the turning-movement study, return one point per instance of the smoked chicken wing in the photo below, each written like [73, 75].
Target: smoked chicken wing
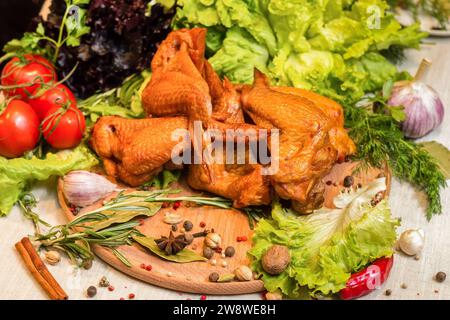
[312, 138]
[135, 150]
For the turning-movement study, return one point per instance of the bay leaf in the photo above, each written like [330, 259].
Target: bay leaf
[184, 256]
[441, 154]
[123, 215]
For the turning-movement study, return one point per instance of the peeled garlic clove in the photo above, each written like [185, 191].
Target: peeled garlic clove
[83, 188]
[411, 241]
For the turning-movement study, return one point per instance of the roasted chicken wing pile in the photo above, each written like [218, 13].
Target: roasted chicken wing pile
[184, 89]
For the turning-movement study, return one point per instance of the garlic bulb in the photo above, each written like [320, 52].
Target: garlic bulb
[82, 188]
[423, 108]
[412, 241]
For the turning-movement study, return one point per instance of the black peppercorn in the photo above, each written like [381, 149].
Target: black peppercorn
[174, 227]
[348, 181]
[91, 291]
[187, 225]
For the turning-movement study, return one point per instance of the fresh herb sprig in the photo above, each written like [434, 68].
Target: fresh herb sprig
[28, 203]
[113, 224]
[77, 244]
[380, 140]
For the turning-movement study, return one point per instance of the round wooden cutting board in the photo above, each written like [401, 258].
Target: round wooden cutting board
[193, 277]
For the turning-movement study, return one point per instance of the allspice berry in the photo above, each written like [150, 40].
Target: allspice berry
[348, 181]
[208, 252]
[213, 277]
[187, 225]
[440, 276]
[229, 251]
[91, 291]
[276, 259]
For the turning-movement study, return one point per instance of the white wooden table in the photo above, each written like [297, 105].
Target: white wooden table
[407, 203]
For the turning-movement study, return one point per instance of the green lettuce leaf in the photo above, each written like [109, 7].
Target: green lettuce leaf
[327, 246]
[330, 46]
[16, 175]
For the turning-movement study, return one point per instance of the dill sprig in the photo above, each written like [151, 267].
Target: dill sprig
[380, 140]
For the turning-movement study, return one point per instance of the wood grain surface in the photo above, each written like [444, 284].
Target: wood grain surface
[229, 223]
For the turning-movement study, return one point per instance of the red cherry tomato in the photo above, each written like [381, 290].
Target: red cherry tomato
[368, 279]
[19, 129]
[63, 128]
[58, 95]
[28, 69]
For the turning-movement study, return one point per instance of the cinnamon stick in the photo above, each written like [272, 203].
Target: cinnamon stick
[39, 271]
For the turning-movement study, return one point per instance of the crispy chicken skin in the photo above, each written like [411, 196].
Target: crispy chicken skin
[135, 150]
[312, 138]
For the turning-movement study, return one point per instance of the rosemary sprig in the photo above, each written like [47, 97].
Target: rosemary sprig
[113, 224]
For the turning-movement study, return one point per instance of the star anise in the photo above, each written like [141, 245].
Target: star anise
[171, 245]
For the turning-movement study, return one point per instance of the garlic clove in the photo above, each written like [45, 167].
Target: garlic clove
[411, 241]
[83, 188]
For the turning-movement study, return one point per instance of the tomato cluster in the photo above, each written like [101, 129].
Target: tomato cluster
[37, 105]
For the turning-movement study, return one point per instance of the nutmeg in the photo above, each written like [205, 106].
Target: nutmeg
[276, 259]
[52, 257]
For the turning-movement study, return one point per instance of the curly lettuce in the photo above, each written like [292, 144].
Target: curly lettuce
[16, 175]
[327, 246]
[312, 44]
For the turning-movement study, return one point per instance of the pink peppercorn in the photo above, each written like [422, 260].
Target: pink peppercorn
[203, 297]
[176, 205]
[131, 296]
[149, 268]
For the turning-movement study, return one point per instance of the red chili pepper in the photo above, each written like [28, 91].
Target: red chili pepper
[142, 265]
[238, 239]
[244, 238]
[368, 279]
